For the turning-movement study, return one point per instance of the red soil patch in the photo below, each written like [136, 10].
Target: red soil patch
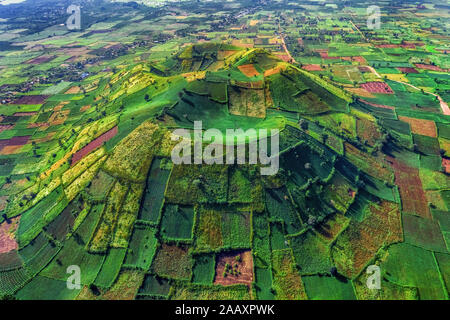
[377, 87]
[10, 150]
[4, 127]
[272, 71]
[360, 92]
[359, 59]
[408, 45]
[37, 125]
[249, 70]
[284, 57]
[82, 109]
[24, 114]
[7, 230]
[391, 46]
[364, 69]
[244, 268]
[446, 165]
[15, 141]
[312, 67]
[80, 154]
[407, 70]
[429, 67]
[41, 59]
[37, 99]
[60, 106]
[324, 55]
[73, 90]
[420, 126]
[410, 188]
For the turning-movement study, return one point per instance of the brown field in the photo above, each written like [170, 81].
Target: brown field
[7, 238]
[360, 59]
[60, 106]
[172, 261]
[238, 43]
[4, 127]
[249, 70]
[84, 108]
[312, 67]
[377, 87]
[269, 100]
[245, 102]
[3, 202]
[407, 70]
[38, 125]
[58, 117]
[410, 188]
[15, 141]
[10, 150]
[446, 165]
[275, 70]
[367, 130]
[73, 90]
[250, 84]
[421, 126]
[360, 92]
[221, 55]
[358, 244]
[283, 56]
[372, 166]
[37, 99]
[24, 114]
[41, 59]
[286, 278]
[244, 266]
[430, 67]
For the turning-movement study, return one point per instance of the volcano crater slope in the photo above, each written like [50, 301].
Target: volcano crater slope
[108, 198]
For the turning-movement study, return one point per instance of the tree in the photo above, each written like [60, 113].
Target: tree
[94, 289]
[312, 220]
[303, 124]
[334, 271]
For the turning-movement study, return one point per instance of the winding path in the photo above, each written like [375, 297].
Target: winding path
[444, 106]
